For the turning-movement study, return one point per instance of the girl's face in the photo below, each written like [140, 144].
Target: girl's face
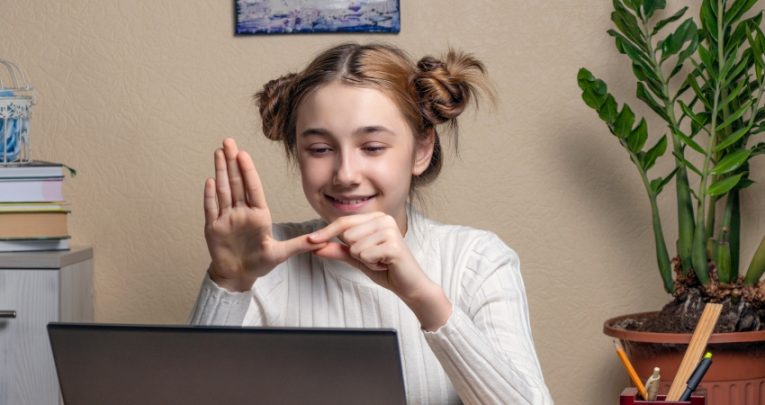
[357, 153]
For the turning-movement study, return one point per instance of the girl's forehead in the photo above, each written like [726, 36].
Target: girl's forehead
[337, 103]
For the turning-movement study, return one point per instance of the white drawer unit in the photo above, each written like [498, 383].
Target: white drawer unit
[37, 288]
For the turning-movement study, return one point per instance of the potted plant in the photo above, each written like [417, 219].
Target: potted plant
[706, 82]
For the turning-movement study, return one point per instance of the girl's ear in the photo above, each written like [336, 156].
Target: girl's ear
[423, 151]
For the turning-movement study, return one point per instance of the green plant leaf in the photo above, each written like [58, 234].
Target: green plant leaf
[689, 165]
[731, 139]
[652, 154]
[642, 94]
[731, 162]
[736, 10]
[607, 111]
[736, 115]
[674, 17]
[626, 22]
[707, 61]
[671, 45]
[708, 19]
[649, 6]
[757, 265]
[733, 94]
[637, 137]
[624, 121]
[721, 187]
[627, 47]
[690, 142]
[691, 80]
[657, 185]
[594, 91]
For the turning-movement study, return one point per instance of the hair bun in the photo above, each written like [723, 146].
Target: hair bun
[272, 103]
[445, 88]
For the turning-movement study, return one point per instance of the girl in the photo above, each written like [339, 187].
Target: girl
[361, 121]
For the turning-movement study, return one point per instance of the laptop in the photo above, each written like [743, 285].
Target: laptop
[151, 364]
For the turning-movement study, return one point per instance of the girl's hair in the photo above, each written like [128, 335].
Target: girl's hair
[429, 93]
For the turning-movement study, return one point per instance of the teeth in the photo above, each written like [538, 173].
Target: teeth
[350, 202]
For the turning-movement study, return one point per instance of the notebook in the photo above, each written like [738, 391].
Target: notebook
[153, 364]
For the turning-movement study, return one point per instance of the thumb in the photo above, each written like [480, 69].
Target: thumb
[296, 246]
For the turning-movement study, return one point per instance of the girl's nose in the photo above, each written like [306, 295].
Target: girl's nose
[347, 170]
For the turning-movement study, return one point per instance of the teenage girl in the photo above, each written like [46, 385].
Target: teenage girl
[362, 122]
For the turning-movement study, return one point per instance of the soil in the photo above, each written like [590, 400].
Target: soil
[743, 306]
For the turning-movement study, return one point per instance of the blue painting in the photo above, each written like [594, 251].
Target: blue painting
[308, 16]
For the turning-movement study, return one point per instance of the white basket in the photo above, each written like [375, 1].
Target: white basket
[16, 100]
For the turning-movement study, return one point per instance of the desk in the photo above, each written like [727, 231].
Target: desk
[37, 288]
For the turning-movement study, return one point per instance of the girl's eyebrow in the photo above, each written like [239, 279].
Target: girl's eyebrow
[359, 131]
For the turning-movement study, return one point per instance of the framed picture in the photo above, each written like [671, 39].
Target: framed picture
[258, 17]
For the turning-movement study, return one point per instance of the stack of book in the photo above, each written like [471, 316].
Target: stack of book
[33, 214]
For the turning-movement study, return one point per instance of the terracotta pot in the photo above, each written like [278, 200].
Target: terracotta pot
[737, 374]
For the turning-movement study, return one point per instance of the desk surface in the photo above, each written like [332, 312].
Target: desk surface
[45, 260]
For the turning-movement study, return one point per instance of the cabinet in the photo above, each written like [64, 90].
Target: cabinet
[37, 288]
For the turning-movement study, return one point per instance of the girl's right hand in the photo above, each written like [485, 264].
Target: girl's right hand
[238, 223]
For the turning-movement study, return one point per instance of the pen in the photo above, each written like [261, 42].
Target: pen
[630, 370]
[696, 377]
[652, 385]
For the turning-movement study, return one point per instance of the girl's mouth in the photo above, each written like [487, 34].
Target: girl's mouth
[349, 204]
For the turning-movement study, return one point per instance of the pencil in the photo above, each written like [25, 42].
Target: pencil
[630, 370]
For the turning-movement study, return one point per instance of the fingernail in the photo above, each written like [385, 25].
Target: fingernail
[313, 236]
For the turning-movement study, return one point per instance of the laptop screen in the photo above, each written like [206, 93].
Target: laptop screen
[151, 364]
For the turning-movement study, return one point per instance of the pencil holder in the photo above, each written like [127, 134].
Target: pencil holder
[630, 397]
[16, 100]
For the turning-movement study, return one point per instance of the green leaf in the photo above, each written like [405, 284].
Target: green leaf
[649, 6]
[685, 54]
[657, 185]
[708, 19]
[690, 142]
[731, 162]
[642, 94]
[691, 80]
[674, 41]
[637, 137]
[687, 164]
[731, 139]
[674, 17]
[738, 9]
[736, 91]
[692, 115]
[607, 111]
[594, 91]
[652, 154]
[733, 117]
[723, 186]
[624, 121]
[627, 47]
[626, 22]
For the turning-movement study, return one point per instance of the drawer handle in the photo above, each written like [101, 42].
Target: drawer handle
[7, 314]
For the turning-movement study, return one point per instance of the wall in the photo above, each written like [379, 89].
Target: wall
[136, 95]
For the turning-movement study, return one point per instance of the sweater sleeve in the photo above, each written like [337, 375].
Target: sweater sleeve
[486, 346]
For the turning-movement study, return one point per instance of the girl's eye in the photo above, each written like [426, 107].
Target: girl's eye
[319, 150]
[374, 149]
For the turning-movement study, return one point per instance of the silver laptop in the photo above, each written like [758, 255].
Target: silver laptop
[141, 364]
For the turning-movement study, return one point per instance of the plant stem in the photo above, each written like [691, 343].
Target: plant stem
[698, 254]
[682, 188]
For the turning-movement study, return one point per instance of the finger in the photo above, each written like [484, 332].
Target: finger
[356, 249]
[375, 257]
[221, 181]
[230, 150]
[340, 225]
[383, 224]
[338, 251]
[210, 202]
[255, 195]
[296, 246]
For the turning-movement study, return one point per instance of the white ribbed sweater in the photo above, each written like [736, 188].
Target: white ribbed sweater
[483, 355]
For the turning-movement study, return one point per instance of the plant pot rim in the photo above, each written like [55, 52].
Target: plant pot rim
[674, 338]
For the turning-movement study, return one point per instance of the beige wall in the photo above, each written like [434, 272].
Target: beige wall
[136, 95]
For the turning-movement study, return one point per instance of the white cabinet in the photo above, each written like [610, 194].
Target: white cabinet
[37, 288]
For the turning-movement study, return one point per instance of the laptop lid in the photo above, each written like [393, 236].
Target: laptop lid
[152, 364]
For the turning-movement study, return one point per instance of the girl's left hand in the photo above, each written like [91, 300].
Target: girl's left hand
[375, 246]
